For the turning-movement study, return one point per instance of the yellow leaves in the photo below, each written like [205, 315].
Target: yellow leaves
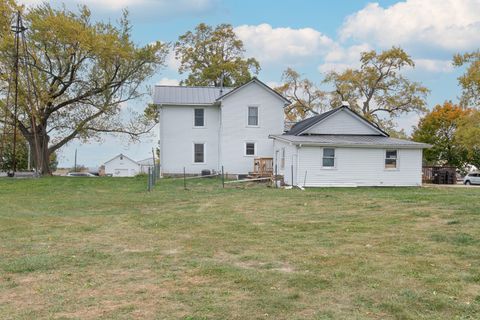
[208, 53]
[470, 80]
[468, 132]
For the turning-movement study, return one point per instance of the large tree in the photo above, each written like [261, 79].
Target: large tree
[307, 99]
[470, 80]
[210, 54]
[378, 89]
[468, 136]
[439, 128]
[83, 73]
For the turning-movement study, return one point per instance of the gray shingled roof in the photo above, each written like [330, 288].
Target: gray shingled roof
[303, 125]
[350, 140]
[187, 95]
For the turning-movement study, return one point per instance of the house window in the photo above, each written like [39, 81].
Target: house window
[282, 159]
[328, 160]
[250, 149]
[253, 116]
[199, 117]
[199, 153]
[391, 159]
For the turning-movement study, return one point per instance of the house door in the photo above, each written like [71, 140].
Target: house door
[293, 170]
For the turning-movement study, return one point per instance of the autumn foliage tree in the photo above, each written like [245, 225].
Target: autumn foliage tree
[468, 136]
[209, 55]
[441, 128]
[378, 90]
[470, 80]
[83, 73]
[307, 99]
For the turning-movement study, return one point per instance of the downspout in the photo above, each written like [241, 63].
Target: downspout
[160, 140]
[297, 164]
[220, 129]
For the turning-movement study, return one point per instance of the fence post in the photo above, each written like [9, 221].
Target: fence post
[153, 176]
[184, 179]
[276, 175]
[149, 180]
[292, 175]
[223, 179]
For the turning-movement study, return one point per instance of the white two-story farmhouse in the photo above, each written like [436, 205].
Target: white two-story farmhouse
[205, 128]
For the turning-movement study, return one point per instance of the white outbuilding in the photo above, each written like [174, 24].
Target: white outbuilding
[122, 166]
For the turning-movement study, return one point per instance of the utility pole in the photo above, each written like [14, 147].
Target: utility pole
[17, 29]
[75, 164]
[29, 156]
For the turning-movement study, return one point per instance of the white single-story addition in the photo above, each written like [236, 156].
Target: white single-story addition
[205, 128]
[122, 166]
[341, 148]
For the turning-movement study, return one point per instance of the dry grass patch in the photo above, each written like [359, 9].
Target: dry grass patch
[106, 249]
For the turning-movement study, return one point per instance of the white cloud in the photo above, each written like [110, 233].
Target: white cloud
[341, 58]
[433, 65]
[269, 44]
[168, 82]
[452, 25]
[171, 62]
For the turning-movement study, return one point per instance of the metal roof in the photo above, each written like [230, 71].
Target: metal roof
[256, 80]
[350, 141]
[187, 95]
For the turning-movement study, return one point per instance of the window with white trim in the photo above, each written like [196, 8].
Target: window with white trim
[199, 153]
[328, 160]
[199, 117]
[253, 116]
[250, 148]
[391, 157]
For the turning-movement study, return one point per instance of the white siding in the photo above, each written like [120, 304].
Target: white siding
[178, 135]
[290, 160]
[342, 122]
[360, 167]
[236, 132]
[122, 167]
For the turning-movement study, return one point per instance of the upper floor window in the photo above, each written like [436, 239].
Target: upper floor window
[253, 116]
[391, 157]
[328, 160]
[199, 117]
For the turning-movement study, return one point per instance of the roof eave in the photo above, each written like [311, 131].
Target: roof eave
[352, 145]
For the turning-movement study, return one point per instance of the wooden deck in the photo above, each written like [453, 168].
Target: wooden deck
[262, 168]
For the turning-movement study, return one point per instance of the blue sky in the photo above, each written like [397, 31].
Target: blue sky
[311, 36]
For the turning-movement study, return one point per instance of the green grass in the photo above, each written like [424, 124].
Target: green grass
[80, 248]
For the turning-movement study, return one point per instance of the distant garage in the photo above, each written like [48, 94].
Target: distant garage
[122, 166]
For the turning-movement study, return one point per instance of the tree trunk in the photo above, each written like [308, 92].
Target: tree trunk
[40, 153]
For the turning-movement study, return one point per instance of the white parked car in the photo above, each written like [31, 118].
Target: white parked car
[472, 178]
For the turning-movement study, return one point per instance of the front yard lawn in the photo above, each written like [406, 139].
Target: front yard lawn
[89, 248]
